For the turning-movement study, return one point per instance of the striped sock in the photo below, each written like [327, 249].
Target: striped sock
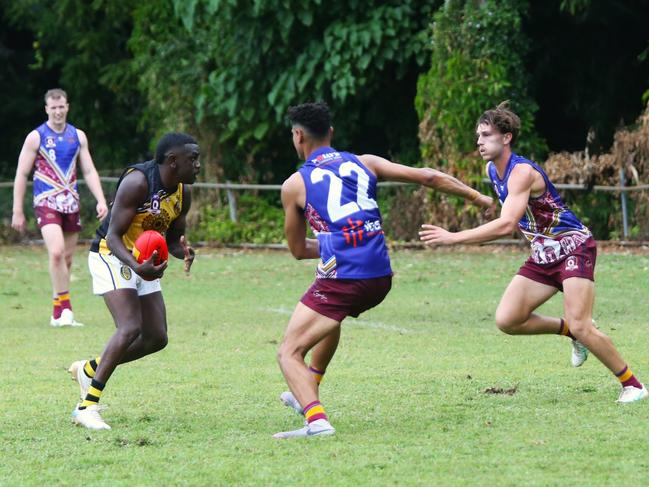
[317, 374]
[564, 330]
[56, 308]
[64, 300]
[94, 393]
[91, 367]
[626, 378]
[314, 411]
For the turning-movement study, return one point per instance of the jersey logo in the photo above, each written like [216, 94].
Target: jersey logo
[49, 142]
[125, 272]
[154, 207]
[571, 263]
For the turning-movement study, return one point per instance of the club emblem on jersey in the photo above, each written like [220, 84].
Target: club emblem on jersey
[49, 142]
[571, 263]
[155, 204]
[125, 271]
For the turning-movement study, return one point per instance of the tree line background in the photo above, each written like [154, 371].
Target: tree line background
[405, 79]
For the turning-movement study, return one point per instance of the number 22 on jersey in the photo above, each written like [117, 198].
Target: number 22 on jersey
[335, 208]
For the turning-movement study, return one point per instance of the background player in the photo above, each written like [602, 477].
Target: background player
[53, 150]
[150, 196]
[336, 193]
[563, 251]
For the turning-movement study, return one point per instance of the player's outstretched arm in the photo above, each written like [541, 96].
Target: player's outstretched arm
[91, 176]
[26, 161]
[175, 236]
[425, 176]
[519, 188]
[127, 200]
[293, 198]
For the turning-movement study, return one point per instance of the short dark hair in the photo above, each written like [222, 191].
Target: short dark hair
[170, 141]
[314, 117]
[502, 118]
[56, 93]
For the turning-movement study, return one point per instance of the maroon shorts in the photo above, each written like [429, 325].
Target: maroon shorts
[580, 263]
[339, 298]
[69, 222]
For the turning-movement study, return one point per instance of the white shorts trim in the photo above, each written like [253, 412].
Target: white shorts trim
[109, 273]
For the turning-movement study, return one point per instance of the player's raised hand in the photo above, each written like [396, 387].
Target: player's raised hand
[189, 254]
[148, 270]
[434, 235]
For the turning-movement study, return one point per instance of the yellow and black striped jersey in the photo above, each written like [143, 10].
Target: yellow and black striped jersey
[160, 208]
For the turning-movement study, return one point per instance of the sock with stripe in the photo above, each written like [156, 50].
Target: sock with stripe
[317, 374]
[56, 308]
[64, 300]
[91, 367]
[564, 330]
[626, 378]
[314, 411]
[94, 394]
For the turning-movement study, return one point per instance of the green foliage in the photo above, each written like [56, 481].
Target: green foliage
[259, 221]
[236, 68]
[84, 43]
[477, 51]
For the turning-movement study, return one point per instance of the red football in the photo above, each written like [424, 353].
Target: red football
[147, 243]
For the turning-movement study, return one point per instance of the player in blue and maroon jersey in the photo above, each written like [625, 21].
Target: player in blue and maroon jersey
[563, 251]
[336, 193]
[53, 150]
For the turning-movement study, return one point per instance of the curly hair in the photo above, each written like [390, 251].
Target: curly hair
[314, 117]
[503, 119]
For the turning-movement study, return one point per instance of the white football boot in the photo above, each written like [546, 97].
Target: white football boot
[632, 394]
[579, 353]
[288, 399]
[67, 319]
[54, 322]
[320, 427]
[78, 375]
[89, 418]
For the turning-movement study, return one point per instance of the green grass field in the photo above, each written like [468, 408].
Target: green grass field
[406, 390]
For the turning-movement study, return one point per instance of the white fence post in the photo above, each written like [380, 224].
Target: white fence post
[232, 204]
[625, 217]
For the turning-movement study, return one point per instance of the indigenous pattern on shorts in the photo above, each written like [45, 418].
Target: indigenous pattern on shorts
[552, 229]
[160, 207]
[342, 211]
[55, 169]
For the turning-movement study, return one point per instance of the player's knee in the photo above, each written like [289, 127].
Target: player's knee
[506, 323]
[159, 342]
[129, 333]
[285, 352]
[57, 254]
[580, 327]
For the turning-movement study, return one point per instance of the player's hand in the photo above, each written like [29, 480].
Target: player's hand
[433, 235]
[102, 211]
[189, 254]
[149, 270]
[18, 222]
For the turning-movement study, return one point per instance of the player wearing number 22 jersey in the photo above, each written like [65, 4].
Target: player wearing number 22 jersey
[345, 219]
[335, 192]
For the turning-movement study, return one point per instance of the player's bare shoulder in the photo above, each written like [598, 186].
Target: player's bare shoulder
[524, 176]
[294, 190]
[372, 162]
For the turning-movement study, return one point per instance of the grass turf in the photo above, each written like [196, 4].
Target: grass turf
[406, 390]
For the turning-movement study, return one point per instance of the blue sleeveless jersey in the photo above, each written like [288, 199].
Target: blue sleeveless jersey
[55, 173]
[342, 211]
[552, 229]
